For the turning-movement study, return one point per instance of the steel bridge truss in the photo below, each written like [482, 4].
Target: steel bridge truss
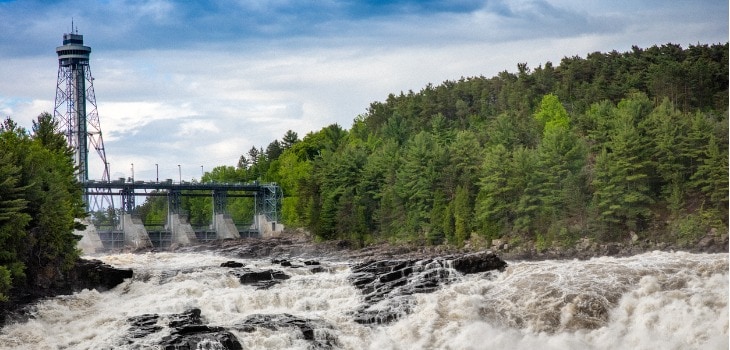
[268, 200]
[267, 196]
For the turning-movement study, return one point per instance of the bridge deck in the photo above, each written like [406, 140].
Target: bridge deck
[168, 185]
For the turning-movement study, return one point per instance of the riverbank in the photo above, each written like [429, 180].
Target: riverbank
[298, 243]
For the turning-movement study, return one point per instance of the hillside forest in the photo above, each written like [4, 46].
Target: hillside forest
[603, 146]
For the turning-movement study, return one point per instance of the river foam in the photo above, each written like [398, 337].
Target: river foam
[651, 301]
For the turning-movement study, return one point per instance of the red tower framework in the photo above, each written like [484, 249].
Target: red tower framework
[75, 87]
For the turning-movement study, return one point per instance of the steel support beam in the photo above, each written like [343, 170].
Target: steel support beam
[220, 201]
[127, 199]
[173, 201]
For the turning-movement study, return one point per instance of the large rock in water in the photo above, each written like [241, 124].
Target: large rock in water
[317, 332]
[94, 274]
[478, 262]
[187, 332]
[388, 285]
[261, 279]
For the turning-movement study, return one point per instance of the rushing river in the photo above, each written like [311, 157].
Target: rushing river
[649, 301]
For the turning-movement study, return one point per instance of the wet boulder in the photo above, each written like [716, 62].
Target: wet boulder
[319, 333]
[193, 336]
[143, 325]
[187, 331]
[262, 279]
[282, 262]
[478, 262]
[388, 285]
[233, 264]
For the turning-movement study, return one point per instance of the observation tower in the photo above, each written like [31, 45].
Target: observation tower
[79, 124]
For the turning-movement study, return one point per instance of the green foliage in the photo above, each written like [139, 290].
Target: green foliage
[416, 178]
[711, 177]
[687, 229]
[153, 211]
[436, 233]
[289, 215]
[621, 180]
[561, 158]
[463, 209]
[541, 244]
[494, 191]
[289, 139]
[12, 202]
[551, 114]
[40, 199]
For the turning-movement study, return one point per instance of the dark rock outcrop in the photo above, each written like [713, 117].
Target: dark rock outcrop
[317, 332]
[233, 264]
[186, 332]
[388, 285]
[477, 262]
[262, 279]
[188, 338]
[143, 325]
[282, 262]
[85, 274]
[314, 266]
[93, 274]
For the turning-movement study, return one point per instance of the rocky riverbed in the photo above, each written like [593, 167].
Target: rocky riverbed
[291, 292]
[388, 288]
[91, 274]
[388, 278]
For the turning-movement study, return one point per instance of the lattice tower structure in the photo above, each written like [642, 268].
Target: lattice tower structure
[79, 124]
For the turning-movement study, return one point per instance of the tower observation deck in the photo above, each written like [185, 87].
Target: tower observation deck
[79, 124]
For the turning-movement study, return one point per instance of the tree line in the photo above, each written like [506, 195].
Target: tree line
[602, 146]
[40, 198]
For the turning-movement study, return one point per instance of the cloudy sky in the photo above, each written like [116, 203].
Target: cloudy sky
[200, 83]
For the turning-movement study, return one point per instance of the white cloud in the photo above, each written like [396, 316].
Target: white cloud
[171, 93]
[196, 128]
[118, 118]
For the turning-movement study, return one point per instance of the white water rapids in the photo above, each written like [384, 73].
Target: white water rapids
[650, 301]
